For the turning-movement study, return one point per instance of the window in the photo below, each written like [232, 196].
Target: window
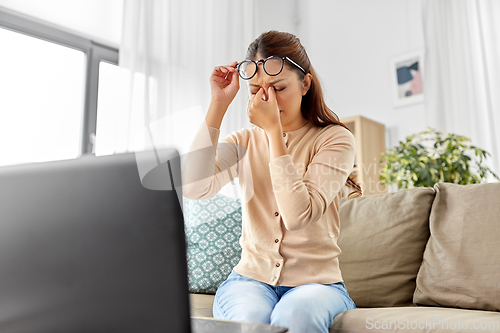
[109, 97]
[49, 87]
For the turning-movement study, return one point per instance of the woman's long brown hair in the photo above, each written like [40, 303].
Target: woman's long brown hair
[313, 105]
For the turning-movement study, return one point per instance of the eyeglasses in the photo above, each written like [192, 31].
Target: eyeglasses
[272, 65]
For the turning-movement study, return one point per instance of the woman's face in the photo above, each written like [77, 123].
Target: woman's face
[289, 91]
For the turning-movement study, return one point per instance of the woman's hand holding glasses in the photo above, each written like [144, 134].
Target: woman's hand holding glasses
[224, 83]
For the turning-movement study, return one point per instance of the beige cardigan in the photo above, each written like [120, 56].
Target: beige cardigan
[290, 205]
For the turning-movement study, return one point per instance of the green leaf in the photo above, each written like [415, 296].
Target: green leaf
[441, 159]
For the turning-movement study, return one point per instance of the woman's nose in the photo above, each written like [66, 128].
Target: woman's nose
[264, 93]
[266, 97]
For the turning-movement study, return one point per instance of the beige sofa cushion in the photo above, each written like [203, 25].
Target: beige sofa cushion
[462, 258]
[416, 320]
[201, 305]
[382, 238]
[365, 320]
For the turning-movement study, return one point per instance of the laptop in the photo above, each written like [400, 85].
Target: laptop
[85, 247]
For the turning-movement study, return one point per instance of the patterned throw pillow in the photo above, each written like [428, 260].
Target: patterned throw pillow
[213, 230]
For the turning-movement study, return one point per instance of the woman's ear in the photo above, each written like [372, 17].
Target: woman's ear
[306, 83]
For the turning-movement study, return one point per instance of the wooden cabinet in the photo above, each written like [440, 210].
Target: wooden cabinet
[370, 144]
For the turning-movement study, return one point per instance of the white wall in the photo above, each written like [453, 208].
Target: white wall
[99, 20]
[279, 15]
[350, 43]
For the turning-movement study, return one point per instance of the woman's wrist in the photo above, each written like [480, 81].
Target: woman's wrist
[215, 114]
[221, 103]
[275, 132]
[277, 147]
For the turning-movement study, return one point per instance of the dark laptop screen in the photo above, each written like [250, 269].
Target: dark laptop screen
[84, 247]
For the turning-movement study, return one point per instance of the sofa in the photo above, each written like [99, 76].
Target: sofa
[415, 260]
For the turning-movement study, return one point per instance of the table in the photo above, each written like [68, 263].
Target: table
[210, 325]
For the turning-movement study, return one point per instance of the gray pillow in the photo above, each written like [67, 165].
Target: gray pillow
[382, 239]
[462, 258]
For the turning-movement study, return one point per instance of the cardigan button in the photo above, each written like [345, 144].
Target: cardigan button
[276, 240]
[276, 214]
[278, 265]
[284, 134]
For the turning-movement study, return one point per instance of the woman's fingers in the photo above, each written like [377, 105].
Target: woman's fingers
[219, 79]
[232, 66]
[227, 68]
[230, 69]
[220, 70]
[226, 78]
[225, 72]
[249, 105]
[228, 74]
[258, 95]
[235, 79]
[271, 94]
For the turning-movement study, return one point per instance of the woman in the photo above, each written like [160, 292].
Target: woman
[300, 157]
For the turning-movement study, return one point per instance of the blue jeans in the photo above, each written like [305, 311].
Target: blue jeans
[306, 308]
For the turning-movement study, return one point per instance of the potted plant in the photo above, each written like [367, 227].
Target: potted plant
[430, 157]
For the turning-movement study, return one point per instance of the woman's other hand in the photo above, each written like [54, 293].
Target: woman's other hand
[263, 110]
[224, 83]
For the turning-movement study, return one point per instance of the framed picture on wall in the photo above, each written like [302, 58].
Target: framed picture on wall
[407, 78]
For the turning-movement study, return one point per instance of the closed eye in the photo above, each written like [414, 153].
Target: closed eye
[276, 89]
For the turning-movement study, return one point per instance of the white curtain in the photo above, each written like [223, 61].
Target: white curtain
[168, 51]
[462, 74]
